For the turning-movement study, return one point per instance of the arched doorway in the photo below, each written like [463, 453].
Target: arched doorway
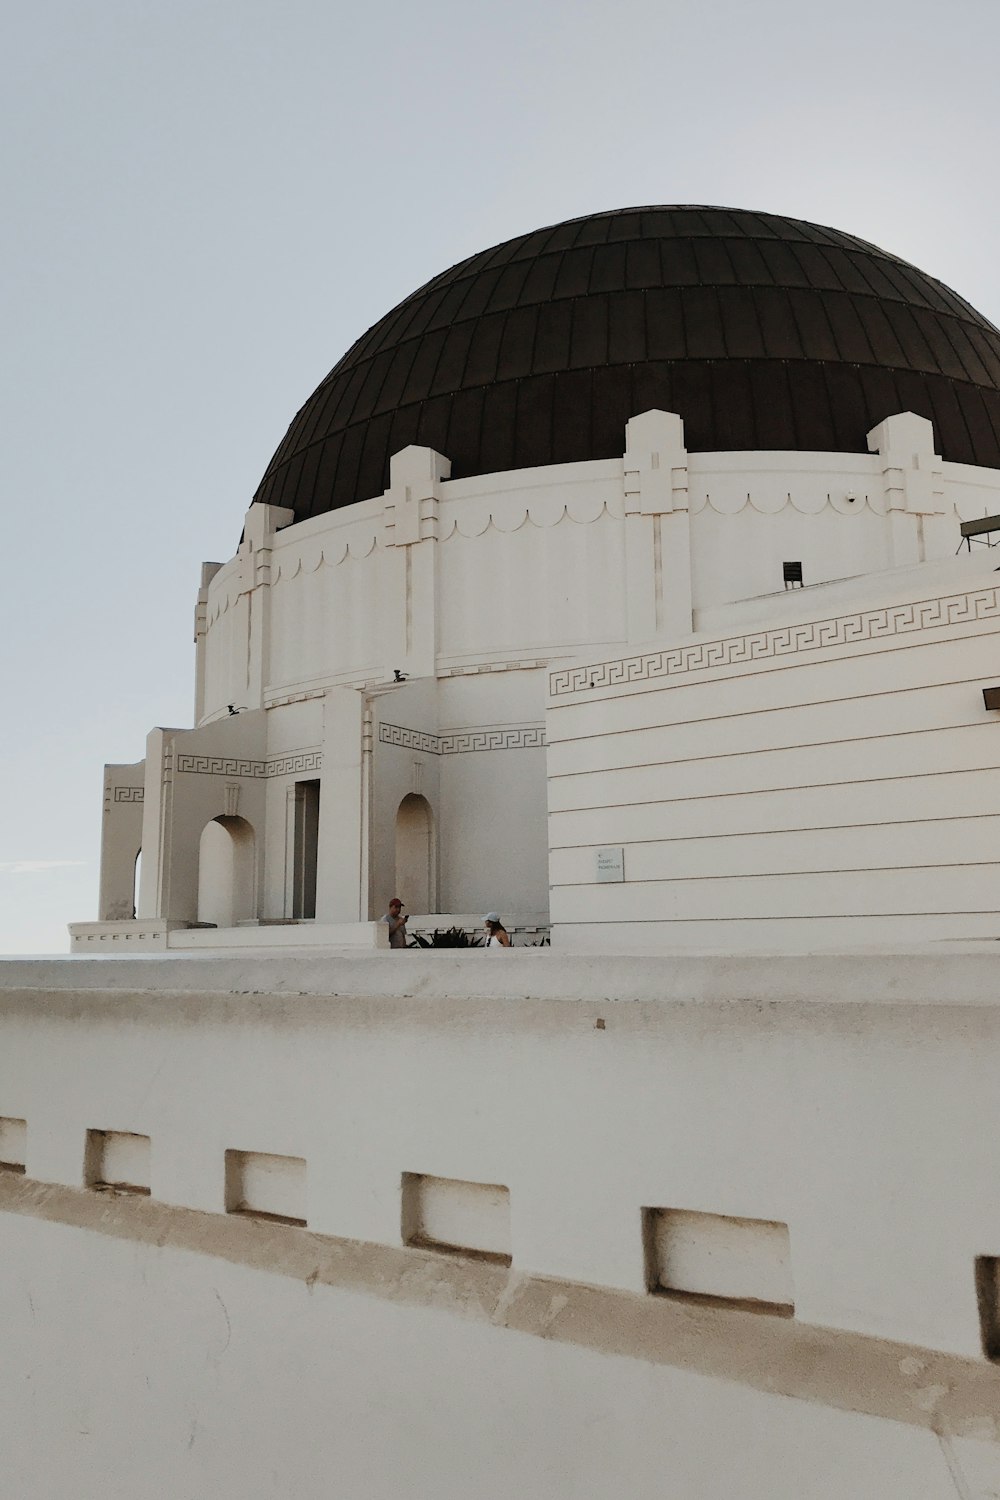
[415, 854]
[226, 872]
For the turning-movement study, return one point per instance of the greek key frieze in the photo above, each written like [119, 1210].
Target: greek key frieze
[461, 741]
[784, 640]
[129, 794]
[220, 765]
[409, 739]
[520, 737]
[294, 763]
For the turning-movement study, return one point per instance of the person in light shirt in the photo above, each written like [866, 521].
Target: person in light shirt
[497, 936]
[396, 923]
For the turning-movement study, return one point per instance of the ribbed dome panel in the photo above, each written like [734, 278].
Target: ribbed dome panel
[762, 332]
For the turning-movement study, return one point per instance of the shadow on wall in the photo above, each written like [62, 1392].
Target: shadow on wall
[415, 853]
[226, 872]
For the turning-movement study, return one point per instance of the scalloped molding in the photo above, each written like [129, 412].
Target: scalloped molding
[845, 501]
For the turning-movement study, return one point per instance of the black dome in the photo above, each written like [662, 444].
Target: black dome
[762, 332]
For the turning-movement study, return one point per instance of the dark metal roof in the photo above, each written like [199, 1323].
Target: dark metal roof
[762, 332]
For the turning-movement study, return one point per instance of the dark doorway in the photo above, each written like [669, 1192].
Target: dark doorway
[305, 848]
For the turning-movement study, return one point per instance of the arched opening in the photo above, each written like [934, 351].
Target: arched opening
[226, 872]
[136, 884]
[415, 853]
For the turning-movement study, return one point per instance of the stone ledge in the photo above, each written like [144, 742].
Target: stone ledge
[938, 974]
[149, 935]
[941, 1393]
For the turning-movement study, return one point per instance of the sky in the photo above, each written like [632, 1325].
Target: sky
[205, 202]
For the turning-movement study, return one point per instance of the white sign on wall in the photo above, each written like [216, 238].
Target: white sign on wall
[611, 864]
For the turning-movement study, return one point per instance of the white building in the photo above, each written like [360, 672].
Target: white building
[685, 1205]
[631, 433]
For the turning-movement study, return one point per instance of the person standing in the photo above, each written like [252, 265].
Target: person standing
[396, 922]
[497, 936]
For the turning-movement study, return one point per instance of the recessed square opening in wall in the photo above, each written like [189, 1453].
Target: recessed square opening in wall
[988, 1297]
[117, 1161]
[728, 1260]
[266, 1187]
[445, 1213]
[13, 1144]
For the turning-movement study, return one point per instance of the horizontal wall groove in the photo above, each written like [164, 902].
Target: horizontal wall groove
[692, 760]
[826, 916]
[666, 880]
[807, 786]
[755, 713]
[763, 833]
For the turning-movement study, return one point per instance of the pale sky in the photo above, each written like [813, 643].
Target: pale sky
[207, 201]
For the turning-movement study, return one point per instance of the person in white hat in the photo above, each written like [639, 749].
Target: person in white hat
[497, 936]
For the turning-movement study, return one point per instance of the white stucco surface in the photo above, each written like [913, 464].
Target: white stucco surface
[825, 779]
[724, 1203]
[387, 662]
[144, 1372]
[850, 1098]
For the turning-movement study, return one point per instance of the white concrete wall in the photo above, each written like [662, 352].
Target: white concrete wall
[852, 1100]
[490, 770]
[472, 744]
[491, 580]
[146, 1372]
[828, 779]
[473, 747]
[192, 777]
[531, 562]
[544, 562]
[405, 761]
[121, 840]
[295, 753]
[332, 588]
[869, 1130]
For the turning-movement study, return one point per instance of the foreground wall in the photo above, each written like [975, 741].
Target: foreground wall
[824, 774]
[825, 1130]
[140, 1371]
